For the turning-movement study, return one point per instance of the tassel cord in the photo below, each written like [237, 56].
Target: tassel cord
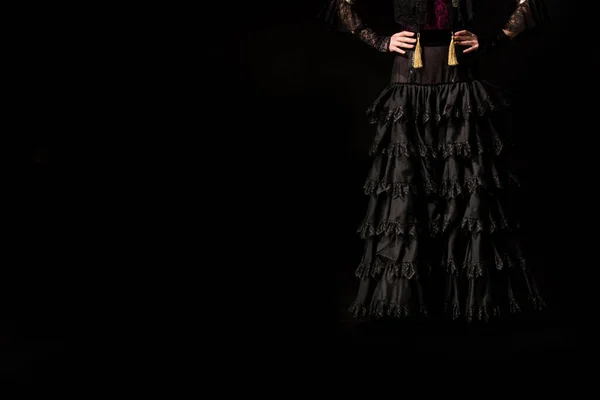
[417, 54]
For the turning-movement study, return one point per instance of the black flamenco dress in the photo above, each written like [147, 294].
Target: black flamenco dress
[439, 232]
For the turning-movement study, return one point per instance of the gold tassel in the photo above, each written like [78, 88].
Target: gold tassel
[417, 56]
[452, 60]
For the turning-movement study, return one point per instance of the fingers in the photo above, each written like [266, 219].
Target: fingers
[466, 42]
[464, 35]
[402, 44]
[472, 43]
[405, 36]
[466, 38]
[400, 38]
[399, 43]
[471, 49]
[397, 49]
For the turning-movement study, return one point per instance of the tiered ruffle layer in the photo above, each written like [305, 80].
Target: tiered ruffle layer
[440, 200]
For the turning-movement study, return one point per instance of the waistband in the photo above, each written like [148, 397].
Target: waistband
[435, 38]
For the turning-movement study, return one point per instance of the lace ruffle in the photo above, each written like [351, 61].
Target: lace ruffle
[441, 174]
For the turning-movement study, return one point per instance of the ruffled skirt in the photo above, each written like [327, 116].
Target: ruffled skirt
[440, 230]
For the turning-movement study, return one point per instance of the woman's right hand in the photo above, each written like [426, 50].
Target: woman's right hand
[402, 40]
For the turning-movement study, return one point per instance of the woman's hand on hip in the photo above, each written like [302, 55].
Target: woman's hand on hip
[467, 39]
[402, 40]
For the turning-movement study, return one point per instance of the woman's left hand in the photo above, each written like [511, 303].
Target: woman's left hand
[466, 38]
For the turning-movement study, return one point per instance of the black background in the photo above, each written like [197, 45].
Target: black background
[36, 281]
[289, 101]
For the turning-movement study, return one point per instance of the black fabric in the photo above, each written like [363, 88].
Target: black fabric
[441, 228]
[309, 98]
[403, 72]
[412, 14]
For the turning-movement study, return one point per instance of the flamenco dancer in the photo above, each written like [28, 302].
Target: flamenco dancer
[441, 184]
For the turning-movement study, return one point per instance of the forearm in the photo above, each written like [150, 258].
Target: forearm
[527, 15]
[354, 24]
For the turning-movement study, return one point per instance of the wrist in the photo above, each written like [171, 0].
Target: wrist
[384, 47]
[509, 34]
[497, 41]
[500, 39]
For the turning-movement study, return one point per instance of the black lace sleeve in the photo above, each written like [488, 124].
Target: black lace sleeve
[528, 14]
[342, 15]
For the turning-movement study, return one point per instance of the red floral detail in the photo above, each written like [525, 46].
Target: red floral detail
[439, 16]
